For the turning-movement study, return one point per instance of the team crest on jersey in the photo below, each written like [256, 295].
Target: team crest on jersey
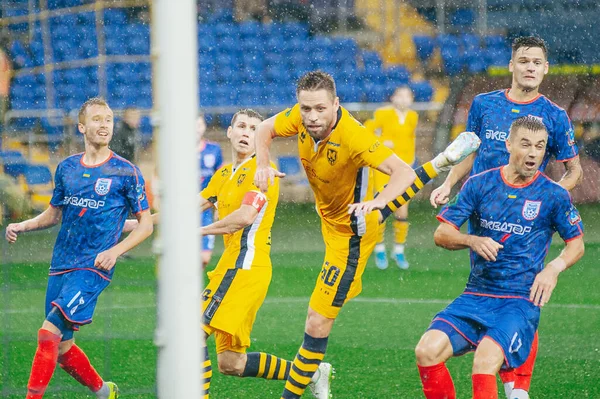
[102, 186]
[302, 137]
[210, 160]
[141, 194]
[224, 172]
[331, 156]
[531, 209]
[241, 179]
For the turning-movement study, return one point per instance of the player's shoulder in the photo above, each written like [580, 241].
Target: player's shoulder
[485, 177]
[348, 122]
[552, 186]
[490, 96]
[384, 111]
[552, 108]
[72, 159]
[124, 164]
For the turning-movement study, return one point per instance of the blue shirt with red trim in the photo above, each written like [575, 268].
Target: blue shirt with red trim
[491, 115]
[210, 159]
[95, 202]
[521, 218]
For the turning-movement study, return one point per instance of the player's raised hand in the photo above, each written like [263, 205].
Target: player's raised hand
[440, 196]
[544, 284]
[364, 208]
[106, 260]
[12, 232]
[485, 247]
[265, 177]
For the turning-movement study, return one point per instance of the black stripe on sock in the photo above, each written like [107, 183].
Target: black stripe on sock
[307, 361]
[295, 383]
[267, 366]
[302, 373]
[288, 367]
[277, 367]
[422, 175]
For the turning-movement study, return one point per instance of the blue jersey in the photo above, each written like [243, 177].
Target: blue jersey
[521, 218]
[210, 160]
[491, 115]
[95, 202]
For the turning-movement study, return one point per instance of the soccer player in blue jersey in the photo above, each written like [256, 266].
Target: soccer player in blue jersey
[513, 211]
[490, 117]
[94, 192]
[210, 159]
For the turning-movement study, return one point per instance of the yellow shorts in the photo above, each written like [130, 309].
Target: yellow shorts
[340, 278]
[230, 303]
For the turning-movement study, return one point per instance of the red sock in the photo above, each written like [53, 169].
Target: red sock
[77, 364]
[507, 375]
[523, 373]
[44, 363]
[484, 386]
[437, 382]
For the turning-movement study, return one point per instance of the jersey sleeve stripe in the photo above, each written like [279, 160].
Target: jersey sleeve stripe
[444, 220]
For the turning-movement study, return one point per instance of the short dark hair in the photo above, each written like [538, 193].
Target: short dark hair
[316, 80]
[528, 122]
[249, 112]
[89, 103]
[529, 41]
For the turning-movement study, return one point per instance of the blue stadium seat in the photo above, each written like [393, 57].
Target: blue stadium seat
[425, 46]
[114, 16]
[462, 18]
[423, 91]
[250, 29]
[37, 175]
[397, 75]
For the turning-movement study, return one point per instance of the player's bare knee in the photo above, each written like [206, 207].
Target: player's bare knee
[317, 325]
[65, 346]
[231, 363]
[488, 358]
[433, 348]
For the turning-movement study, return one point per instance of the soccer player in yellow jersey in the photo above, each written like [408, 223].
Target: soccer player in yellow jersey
[238, 285]
[338, 155]
[396, 125]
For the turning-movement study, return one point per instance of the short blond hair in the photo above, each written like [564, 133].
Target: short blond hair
[89, 103]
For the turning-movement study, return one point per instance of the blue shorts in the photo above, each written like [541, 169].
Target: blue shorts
[510, 322]
[75, 294]
[208, 242]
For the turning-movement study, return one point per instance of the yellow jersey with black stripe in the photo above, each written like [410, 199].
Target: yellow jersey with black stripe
[251, 246]
[396, 134]
[337, 167]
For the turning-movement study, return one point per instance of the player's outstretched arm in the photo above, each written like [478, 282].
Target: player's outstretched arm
[50, 217]
[402, 176]
[546, 280]
[441, 195]
[573, 174]
[265, 175]
[448, 237]
[106, 260]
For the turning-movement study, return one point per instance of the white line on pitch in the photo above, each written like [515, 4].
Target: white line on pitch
[274, 301]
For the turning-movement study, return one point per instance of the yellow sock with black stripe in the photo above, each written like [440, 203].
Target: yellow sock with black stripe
[264, 365]
[206, 373]
[305, 365]
[400, 230]
[425, 173]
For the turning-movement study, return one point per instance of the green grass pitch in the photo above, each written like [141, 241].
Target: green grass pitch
[373, 340]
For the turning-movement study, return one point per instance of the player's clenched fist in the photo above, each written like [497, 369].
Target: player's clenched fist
[439, 196]
[106, 260]
[485, 247]
[265, 177]
[12, 231]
